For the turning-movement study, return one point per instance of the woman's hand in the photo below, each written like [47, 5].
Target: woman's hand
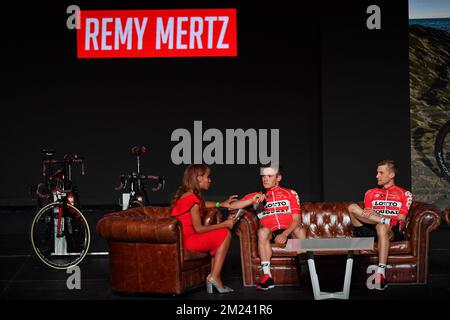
[231, 220]
[226, 203]
[258, 198]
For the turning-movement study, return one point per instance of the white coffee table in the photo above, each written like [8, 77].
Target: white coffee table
[329, 244]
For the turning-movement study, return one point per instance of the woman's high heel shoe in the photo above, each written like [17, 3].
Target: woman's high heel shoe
[211, 283]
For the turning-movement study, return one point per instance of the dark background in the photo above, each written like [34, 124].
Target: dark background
[337, 91]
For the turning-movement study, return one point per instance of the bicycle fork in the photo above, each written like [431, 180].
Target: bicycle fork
[59, 231]
[60, 243]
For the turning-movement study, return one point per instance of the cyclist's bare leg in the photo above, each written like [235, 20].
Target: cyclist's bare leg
[299, 233]
[358, 215]
[264, 247]
[383, 242]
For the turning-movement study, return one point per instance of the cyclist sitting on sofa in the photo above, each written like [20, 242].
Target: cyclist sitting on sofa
[280, 218]
[383, 216]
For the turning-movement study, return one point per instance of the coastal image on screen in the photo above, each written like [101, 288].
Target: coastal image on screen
[429, 68]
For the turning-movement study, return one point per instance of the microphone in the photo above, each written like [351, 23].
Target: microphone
[258, 207]
[239, 214]
[264, 202]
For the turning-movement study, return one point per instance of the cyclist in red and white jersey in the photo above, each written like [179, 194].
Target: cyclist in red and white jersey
[280, 217]
[383, 216]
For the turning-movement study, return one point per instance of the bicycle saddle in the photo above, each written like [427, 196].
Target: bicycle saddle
[138, 150]
[48, 152]
[70, 157]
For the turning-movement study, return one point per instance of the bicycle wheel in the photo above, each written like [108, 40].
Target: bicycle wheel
[60, 243]
[442, 150]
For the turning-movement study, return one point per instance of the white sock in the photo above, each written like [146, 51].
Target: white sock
[266, 267]
[381, 269]
[385, 220]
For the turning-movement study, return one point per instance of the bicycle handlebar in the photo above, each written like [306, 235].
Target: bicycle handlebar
[161, 182]
[123, 183]
[39, 193]
[63, 190]
[68, 159]
[139, 150]
[126, 178]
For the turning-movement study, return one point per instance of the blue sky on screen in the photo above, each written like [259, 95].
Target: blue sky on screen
[429, 9]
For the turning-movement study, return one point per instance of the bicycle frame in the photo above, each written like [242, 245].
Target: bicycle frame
[440, 152]
[69, 233]
[134, 183]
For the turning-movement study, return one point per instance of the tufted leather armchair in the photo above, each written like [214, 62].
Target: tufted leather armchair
[146, 253]
[408, 259]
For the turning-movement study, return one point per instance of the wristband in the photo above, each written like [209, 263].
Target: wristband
[217, 204]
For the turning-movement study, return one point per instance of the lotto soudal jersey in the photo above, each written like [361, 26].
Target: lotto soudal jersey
[390, 201]
[281, 204]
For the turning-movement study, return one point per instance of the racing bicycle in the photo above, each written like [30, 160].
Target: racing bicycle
[60, 233]
[442, 150]
[134, 184]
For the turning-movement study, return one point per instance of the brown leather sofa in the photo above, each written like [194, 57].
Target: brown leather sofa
[408, 259]
[447, 215]
[146, 252]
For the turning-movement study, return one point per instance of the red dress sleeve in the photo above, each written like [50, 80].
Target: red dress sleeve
[185, 204]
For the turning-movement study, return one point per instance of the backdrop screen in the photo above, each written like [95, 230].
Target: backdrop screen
[234, 111]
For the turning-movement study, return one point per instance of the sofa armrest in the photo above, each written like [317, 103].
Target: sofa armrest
[423, 218]
[447, 215]
[212, 216]
[138, 229]
[252, 220]
[247, 229]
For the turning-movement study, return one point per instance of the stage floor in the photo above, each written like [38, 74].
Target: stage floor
[24, 277]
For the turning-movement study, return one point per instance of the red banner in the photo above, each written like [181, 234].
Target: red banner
[157, 33]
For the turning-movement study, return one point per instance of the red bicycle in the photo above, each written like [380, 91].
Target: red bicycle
[60, 233]
[442, 150]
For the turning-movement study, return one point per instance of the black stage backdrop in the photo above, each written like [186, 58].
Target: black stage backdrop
[365, 96]
[336, 91]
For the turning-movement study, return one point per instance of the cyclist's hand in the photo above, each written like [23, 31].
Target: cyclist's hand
[281, 238]
[401, 225]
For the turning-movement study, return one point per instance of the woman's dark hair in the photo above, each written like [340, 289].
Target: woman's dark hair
[190, 182]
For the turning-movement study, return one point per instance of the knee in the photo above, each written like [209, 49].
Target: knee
[299, 233]
[225, 238]
[382, 230]
[263, 234]
[352, 207]
[302, 230]
[227, 234]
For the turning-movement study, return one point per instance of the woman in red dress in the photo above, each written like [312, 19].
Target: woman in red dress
[188, 207]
